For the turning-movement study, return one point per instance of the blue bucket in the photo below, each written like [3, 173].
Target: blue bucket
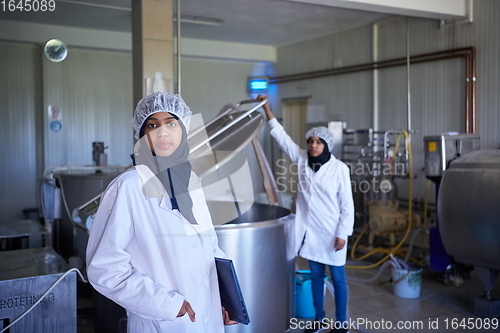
[303, 301]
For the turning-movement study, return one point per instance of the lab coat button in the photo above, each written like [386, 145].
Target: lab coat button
[198, 245]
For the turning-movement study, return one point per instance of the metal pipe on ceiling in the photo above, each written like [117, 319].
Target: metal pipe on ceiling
[178, 43]
[468, 53]
[472, 78]
[408, 93]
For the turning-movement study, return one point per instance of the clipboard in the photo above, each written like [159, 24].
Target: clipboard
[230, 291]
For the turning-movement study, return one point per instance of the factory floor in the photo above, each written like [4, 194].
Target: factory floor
[438, 304]
[375, 304]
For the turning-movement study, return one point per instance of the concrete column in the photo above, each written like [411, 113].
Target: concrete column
[152, 47]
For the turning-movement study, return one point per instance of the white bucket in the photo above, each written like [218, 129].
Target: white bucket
[407, 283]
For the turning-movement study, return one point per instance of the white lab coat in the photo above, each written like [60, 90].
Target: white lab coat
[147, 258]
[324, 206]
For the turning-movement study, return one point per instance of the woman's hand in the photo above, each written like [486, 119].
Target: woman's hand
[225, 316]
[339, 244]
[266, 107]
[186, 307]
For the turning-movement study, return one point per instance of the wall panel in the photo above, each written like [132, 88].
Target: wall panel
[18, 96]
[94, 91]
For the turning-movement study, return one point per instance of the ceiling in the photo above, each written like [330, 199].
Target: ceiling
[267, 22]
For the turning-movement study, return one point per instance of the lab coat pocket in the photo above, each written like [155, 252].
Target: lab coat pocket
[178, 321]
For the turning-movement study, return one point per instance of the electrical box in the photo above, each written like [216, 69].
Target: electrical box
[440, 150]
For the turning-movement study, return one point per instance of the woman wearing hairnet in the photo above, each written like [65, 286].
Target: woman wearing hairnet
[152, 244]
[324, 214]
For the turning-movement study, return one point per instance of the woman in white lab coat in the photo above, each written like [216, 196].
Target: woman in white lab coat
[324, 213]
[152, 244]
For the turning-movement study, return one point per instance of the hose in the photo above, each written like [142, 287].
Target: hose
[376, 276]
[410, 215]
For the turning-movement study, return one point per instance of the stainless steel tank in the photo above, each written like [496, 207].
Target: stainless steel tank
[469, 220]
[78, 187]
[260, 244]
[469, 209]
[257, 237]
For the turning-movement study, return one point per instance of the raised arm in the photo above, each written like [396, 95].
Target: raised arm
[266, 108]
[280, 135]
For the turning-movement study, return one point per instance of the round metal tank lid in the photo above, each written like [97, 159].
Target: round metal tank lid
[222, 139]
[88, 175]
[483, 158]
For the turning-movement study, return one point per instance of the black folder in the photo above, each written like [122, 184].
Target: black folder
[230, 291]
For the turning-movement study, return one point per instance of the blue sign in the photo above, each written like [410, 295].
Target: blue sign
[55, 126]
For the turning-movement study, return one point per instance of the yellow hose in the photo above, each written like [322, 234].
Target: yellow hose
[410, 216]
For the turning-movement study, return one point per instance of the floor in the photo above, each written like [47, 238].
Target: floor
[440, 307]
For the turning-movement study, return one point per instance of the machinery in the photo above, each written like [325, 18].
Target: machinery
[385, 219]
[439, 152]
[469, 219]
[25, 278]
[375, 159]
[98, 156]
[66, 188]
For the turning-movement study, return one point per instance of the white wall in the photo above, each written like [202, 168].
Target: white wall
[208, 85]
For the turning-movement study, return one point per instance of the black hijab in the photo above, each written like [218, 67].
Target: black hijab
[316, 162]
[173, 171]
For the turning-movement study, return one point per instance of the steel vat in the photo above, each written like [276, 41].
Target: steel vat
[469, 209]
[260, 243]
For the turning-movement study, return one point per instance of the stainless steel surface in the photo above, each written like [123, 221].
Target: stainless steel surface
[469, 210]
[25, 275]
[227, 123]
[227, 142]
[178, 47]
[270, 186]
[258, 237]
[261, 245]
[440, 150]
[78, 188]
[30, 262]
[469, 219]
[486, 305]
[408, 92]
[35, 232]
[19, 228]
[220, 152]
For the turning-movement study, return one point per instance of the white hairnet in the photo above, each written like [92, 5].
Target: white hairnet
[160, 102]
[322, 133]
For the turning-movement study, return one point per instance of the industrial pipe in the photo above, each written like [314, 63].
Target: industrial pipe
[468, 53]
